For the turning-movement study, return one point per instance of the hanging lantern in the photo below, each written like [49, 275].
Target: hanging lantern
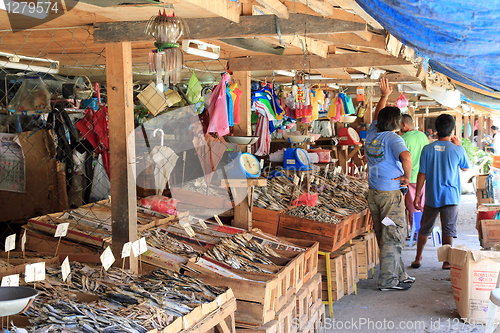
[167, 59]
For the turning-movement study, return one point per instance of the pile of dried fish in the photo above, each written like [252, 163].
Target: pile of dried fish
[162, 241]
[151, 302]
[241, 252]
[313, 213]
[337, 194]
[276, 195]
[72, 317]
[4, 264]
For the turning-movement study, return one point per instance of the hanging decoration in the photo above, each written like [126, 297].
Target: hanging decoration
[167, 59]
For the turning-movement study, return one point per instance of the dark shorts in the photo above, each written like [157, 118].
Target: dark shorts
[449, 218]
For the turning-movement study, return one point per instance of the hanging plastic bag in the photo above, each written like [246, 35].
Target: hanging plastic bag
[402, 101]
[193, 92]
[306, 199]
[32, 95]
[160, 203]
[101, 187]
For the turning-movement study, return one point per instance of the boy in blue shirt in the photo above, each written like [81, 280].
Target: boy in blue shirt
[440, 164]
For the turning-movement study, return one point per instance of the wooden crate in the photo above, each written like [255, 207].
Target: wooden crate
[330, 236]
[266, 220]
[337, 277]
[311, 326]
[348, 269]
[285, 317]
[270, 327]
[259, 296]
[314, 294]
[363, 256]
[39, 242]
[310, 264]
[217, 315]
[368, 221]
[490, 230]
[302, 313]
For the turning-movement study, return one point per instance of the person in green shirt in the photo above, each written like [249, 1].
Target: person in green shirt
[415, 141]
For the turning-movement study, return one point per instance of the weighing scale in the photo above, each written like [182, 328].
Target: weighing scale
[14, 300]
[296, 159]
[242, 165]
[348, 137]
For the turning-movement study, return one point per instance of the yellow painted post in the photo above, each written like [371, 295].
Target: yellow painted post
[329, 282]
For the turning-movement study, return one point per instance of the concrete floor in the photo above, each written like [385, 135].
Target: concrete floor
[427, 307]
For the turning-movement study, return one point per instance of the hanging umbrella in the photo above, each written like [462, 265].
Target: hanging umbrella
[164, 159]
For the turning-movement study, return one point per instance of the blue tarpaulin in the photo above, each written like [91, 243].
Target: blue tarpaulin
[460, 38]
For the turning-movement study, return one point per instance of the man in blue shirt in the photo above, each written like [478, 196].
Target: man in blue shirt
[440, 164]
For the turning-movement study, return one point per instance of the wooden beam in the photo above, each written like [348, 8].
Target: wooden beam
[316, 62]
[314, 46]
[466, 126]
[121, 147]
[218, 27]
[377, 42]
[225, 8]
[323, 8]
[275, 7]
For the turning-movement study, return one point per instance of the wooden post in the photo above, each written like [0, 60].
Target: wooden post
[368, 116]
[480, 132]
[243, 210]
[488, 126]
[421, 124]
[458, 126]
[121, 147]
[466, 127]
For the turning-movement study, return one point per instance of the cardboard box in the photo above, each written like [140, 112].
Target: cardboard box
[481, 193]
[473, 275]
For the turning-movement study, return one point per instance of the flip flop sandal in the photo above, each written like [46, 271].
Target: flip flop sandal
[415, 265]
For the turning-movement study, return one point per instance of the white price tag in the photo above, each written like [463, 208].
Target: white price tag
[311, 179]
[62, 230]
[296, 180]
[139, 247]
[10, 243]
[10, 281]
[127, 247]
[301, 178]
[327, 168]
[216, 217]
[23, 241]
[107, 258]
[189, 230]
[34, 272]
[262, 163]
[65, 269]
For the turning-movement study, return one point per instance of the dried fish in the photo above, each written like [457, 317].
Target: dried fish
[162, 241]
[313, 213]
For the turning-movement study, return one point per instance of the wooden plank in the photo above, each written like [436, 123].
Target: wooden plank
[480, 132]
[321, 7]
[466, 125]
[275, 7]
[298, 62]
[458, 126]
[213, 28]
[361, 12]
[225, 8]
[121, 147]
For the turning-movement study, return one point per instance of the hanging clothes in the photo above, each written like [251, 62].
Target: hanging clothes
[262, 131]
[217, 108]
[230, 107]
[314, 105]
[236, 93]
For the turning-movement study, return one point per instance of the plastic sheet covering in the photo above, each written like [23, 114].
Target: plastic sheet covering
[458, 34]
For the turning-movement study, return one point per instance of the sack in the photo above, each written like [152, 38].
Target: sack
[160, 204]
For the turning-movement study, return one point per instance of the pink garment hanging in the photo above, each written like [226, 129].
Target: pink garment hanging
[262, 131]
[236, 110]
[217, 108]
[338, 114]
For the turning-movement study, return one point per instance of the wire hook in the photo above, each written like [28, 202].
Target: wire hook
[162, 134]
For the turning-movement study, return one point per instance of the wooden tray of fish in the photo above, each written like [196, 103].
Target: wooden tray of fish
[18, 265]
[260, 296]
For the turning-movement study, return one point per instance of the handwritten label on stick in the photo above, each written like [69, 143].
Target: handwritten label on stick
[65, 269]
[34, 272]
[10, 281]
[139, 247]
[62, 230]
[296, 180]
[127, 247]
[10, 243]
[107, 258]
[189, 230]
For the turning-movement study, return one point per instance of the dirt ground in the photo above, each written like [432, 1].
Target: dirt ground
[427, 307]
